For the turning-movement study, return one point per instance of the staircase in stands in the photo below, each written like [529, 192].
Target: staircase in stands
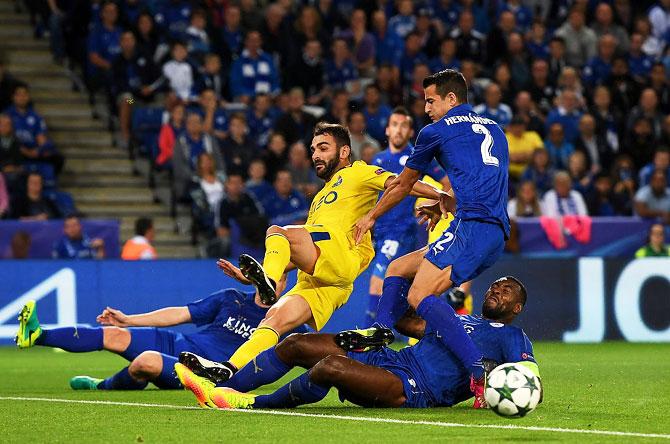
[97, 174]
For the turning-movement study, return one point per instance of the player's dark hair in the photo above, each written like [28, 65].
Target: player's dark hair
[523, 294]
[142, 225]
[448, 81]
[401, 110]
[336, 131]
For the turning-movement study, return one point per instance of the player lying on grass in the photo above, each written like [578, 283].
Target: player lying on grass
[474, 153]
[228, 316]
[425, 375]
[323, 249]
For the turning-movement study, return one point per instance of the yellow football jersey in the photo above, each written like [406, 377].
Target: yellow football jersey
[349, 195]
[443, 224]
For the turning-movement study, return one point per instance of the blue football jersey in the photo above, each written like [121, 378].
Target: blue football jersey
[474, 153]
[446, 380]
[401, 217]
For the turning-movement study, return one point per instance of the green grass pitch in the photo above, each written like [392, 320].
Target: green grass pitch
[612, 387]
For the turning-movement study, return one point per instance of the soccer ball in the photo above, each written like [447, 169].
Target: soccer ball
[512, 390]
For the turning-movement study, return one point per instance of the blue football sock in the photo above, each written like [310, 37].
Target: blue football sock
[167, 379]
[122, 381]
[393, 302]
[72, 339]
[371, 313]
[297, 392]
[441, 318]
[264, 369]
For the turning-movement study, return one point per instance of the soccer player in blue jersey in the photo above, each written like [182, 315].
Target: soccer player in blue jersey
[395, 232]
[428, 374]
[228, 318]
[473, 151]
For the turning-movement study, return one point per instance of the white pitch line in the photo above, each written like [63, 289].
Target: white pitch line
[354, 418]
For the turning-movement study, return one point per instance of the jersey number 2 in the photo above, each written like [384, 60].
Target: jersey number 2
[487, 144]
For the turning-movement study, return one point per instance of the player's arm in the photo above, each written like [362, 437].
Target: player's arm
[165, 317]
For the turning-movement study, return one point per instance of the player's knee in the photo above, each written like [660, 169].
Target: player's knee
[115, 338]
[291, 348]
[147, 365]
[275, 229]
[328, 370]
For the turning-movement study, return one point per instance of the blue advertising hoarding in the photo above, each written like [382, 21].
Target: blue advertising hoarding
[574, 300]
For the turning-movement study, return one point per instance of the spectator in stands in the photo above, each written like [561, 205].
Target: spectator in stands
[309, 73]
[603, 201]
[640, 143]
[277, 36]
[302, 172]
[655, 243]
[541, 88]
[447, 57]
[624, 89]
[31, 131]
[580, 40]
[193, 142]
[526, 203]
[170, 132]
[238, 206]
[4, 197]
[599, 154]
[207, 195]
[502, 76]
[368, 153]
[179, 73]
[659, 17]
[562, 200]
[33, 205]
[623, 179]
[197, 40]
[661, 162]
[653, 200]
[608, 118]
[254, 72]
[415, 90]
[213, 77]
[102, 48]
[639, 63]
[389, 44]
[257, 184]
[276, 155]
[647, 108]
[496, 42]
[599, 68]
[139, 246]
[173, 16]
[582, 177]
[557, 58]
[231, 31]
[539, 171]
[404, 22]
[537, 41]
[261, 118]
[376, 113]
[493, 108]
[341, 73]
[135, 77]
[658, 81]
[285, 205]
[7, 85]
[311, 25]
[604, 24]
[567, 114]
[429, 31]
[522, 13]
[238, 148]
[10, 153]
[569, 80]
[522, 144]
[20, 245]
[296, 124]
[361, 42]
[150, 41]
[518, 60]
[359, 136]
[215, 120]
[526, 110]
[75, 244]
[411, 57]
[470, 43]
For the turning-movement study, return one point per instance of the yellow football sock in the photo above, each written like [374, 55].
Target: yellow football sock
[277, 255]
[260, 340]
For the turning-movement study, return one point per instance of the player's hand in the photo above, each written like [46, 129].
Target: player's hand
[112, 316]
[430, 213]
[447, 204]
[363, 225]
[232, 271]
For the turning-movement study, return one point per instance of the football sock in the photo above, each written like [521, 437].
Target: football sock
[393, 302]
[263, 369]
[122, 381]
[371, 313]
[260, 340]
[441, 319]
[277, 256]
[167, 379]
[72, 339]
[297, 392]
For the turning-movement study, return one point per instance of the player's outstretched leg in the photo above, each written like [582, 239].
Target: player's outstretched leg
[364, 340]
[266, 286]
[200, 387]
[216, 372]
[29, 326]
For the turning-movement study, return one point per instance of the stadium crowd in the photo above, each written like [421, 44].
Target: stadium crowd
[225, 95]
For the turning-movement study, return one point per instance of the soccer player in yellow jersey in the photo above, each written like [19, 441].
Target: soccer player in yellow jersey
[324, 251]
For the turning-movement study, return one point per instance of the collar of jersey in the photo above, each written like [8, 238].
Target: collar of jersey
[459, 109]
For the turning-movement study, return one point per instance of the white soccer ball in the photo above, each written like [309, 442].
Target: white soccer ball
[512, 390]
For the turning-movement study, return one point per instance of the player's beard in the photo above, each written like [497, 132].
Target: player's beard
[494, 312]
[399, 142]
[329, 167]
